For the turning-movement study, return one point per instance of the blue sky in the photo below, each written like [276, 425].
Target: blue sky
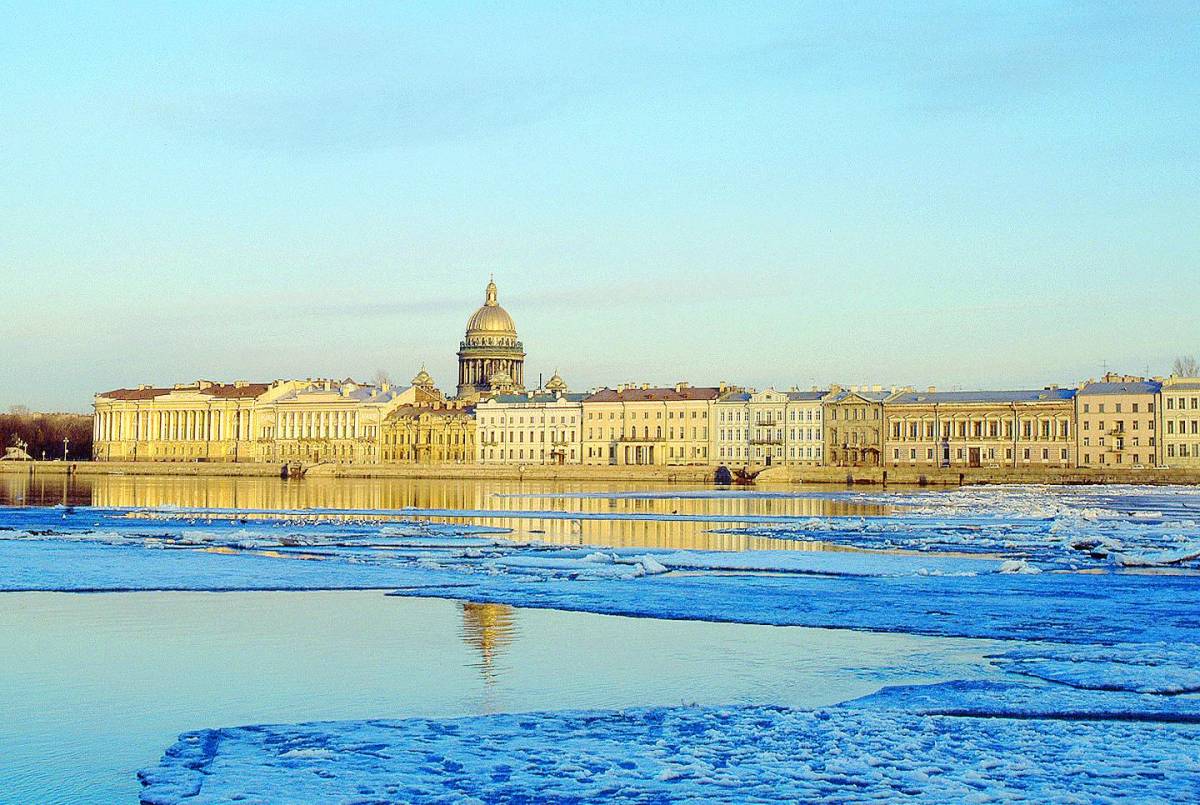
[972, 195]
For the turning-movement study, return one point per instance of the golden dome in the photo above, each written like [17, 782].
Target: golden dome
[491, 318]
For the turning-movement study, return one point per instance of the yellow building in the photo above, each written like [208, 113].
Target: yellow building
[854, 426]
[315, 420]
[201, 421]
[1180, 407]
[1117, 422]
[980, 428]
[645, 425]
[441, 433]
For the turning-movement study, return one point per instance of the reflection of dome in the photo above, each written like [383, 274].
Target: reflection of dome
[491, 318]
[489, 628]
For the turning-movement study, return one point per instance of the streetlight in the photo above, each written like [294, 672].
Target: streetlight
[66, 441]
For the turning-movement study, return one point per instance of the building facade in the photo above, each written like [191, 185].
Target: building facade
[1180, 411]
[853, 421]
[490, 357]
[731, 428]
[649, 425]
[201, 421]
[533, 428]
[980, 428]
[329, 421]
[1117, 422]
[432, 433]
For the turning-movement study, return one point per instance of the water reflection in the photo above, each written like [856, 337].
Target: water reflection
[648, 520]
[488, 628]
[96, 686]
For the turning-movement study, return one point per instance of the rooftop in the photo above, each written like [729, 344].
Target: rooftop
[661, 394]
[1028, 395]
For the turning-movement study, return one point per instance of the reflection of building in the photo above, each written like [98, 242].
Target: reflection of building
[533, 428]
[490, 358]
[489, 628]
[644, 425]
[1180, 407]
[1116, 422]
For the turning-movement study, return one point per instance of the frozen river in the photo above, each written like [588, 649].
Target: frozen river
[96, 686]
[137, 609]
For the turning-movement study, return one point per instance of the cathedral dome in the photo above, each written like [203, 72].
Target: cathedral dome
[491, 319]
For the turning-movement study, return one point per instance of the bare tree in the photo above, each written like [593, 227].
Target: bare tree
[19, 410]
[46, 431]
[381, 377]
[1186, 366]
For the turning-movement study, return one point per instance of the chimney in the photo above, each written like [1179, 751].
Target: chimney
[931, 389]
[877, 387]
[681, 385]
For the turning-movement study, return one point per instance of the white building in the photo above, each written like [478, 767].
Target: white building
[785, 427]
[330, 420]
[731, 428]
[805, 430]
[543, 427]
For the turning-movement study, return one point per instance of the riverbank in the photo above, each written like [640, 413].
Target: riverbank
[699, 474]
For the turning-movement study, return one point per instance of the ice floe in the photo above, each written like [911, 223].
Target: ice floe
[894, 746]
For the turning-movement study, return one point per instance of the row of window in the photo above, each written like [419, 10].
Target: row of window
[520, 454]
[432, 437]
[1118, 442]
[985, 454]
[793, 452]
[1102, 458]
[1087, 408]
[702, 414]
[501, 419]
[503, 436]
[795, 434]
[697, 433]
[770, 417]
[990, 429]
[854, 413]
[1117, 424]
[1181, 403]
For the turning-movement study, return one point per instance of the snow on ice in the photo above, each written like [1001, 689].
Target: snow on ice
[686, 754]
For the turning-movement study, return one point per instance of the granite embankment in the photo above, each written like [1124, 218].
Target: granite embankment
[836, 476]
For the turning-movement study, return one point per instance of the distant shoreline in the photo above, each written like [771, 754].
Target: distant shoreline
[776, 476]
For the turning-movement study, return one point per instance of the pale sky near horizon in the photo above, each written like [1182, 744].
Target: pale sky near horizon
[962, 194]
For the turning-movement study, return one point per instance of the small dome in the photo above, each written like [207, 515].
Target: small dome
[501, 381]
[491, 318]
[423, 379]
[556, 383]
